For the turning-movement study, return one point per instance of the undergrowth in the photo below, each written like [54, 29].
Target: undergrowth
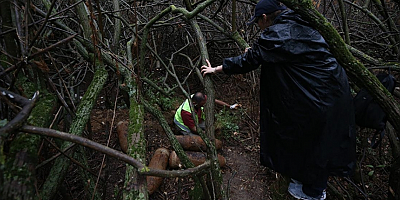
[227, 123]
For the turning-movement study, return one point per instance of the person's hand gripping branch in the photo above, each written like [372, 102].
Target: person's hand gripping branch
[207, 69]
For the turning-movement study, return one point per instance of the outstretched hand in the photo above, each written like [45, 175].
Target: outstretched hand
[207, 69]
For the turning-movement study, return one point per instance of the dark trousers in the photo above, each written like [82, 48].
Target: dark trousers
[315, 189]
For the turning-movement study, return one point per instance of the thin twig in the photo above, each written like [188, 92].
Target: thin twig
[52, 46]
[108, 142]
[43, 25]
[55, 156]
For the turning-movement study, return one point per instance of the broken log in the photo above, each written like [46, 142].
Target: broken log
[158, 161]
[122, 131]
[195, 143]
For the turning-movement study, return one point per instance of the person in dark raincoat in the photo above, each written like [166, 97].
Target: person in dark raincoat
[307, 117]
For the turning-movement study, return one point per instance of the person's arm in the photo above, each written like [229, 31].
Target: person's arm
[210, 70]
[267, 49]
[187, 119]
[235, 65]
[221, 103]
[193, 130]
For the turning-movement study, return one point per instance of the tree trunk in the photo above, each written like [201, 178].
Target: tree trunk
[135, 185]
[18, 178]
[60, 167]
[82, 117]
[215, 175]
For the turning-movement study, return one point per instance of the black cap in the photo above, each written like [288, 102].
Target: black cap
[265, 7]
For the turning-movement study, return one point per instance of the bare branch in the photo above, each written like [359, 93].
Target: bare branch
[142, 169]
[21, 117]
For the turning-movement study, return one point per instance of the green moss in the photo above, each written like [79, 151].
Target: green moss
[41, 114]
[157, 98]
[88, 100]
[136, 139]
[15, 172]
[21, 158]
[136, 145]
[25, 141]
[3, 122]
[145, 169]
[26, 87]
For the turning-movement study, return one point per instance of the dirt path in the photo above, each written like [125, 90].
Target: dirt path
[243, 176]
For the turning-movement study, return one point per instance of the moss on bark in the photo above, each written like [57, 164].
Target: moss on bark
[60, 167]
[135, 185]
[18, 172]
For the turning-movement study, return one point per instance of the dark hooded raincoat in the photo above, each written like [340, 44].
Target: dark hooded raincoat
[307, 116]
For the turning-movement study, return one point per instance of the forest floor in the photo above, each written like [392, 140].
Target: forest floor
[243, 176]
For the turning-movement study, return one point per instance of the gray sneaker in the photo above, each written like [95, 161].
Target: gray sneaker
[295, 189]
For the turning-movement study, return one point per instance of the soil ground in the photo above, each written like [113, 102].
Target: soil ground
[244, 178]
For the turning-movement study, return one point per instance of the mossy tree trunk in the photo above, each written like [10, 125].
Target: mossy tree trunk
[18, 169]
[17, 164]
[135, 186]
[61, 165]
[215, 178]
[60, 168]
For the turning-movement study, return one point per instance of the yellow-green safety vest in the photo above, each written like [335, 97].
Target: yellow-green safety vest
[186, 107]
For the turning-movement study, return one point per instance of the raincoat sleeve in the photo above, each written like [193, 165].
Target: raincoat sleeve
[268, 49]
[285, 44]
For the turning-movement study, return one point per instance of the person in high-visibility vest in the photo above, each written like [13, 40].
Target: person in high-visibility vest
[183, 116]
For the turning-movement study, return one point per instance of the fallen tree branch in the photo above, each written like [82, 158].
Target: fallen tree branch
[142, 169]
[15, 97]
[10, 104]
